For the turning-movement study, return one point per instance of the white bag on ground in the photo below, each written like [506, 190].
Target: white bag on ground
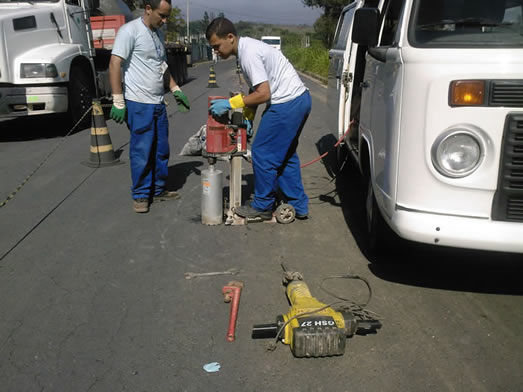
[196, 142]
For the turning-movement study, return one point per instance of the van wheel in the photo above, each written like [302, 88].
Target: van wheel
[81, 92]
[380, 236]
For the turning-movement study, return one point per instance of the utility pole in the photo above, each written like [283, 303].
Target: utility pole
[188, 36]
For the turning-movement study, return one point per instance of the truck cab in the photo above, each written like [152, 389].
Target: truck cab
[427, 95]
[48, 60]
[272, 40]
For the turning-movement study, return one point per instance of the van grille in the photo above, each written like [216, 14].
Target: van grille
[508, 200]
[506, 93]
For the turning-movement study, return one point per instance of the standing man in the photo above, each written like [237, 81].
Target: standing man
[274, 81]
[140, 52]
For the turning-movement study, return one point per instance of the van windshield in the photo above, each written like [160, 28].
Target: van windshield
[271, 41]
[467, 23]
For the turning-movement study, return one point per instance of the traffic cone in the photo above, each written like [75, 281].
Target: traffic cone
[212, 78]
[102, 153]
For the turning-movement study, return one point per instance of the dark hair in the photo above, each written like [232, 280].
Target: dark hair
[221, 27]
[154, 3]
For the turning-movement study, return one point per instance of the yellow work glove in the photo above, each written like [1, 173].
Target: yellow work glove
[236, 102]
[248, 113]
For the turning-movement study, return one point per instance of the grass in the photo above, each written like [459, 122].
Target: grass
[314, 59]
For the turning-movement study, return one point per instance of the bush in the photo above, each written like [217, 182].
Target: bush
[313, 59]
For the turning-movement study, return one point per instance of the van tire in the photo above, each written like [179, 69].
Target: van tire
[81, 92]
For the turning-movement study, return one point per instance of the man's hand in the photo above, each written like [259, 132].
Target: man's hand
[219, 106]
[248, 123]
[118, 108]
[181, 100]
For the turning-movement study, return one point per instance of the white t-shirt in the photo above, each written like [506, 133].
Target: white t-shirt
[144, 53]
[261, 62]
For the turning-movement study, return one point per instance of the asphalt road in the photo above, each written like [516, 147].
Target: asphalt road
[93, 296]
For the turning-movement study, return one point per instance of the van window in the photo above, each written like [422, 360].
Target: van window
[467, 23]
[391, 22]
[341, 36]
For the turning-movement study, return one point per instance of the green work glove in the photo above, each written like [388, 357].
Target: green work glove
[117, 115]
[118, 108]
[181, 100]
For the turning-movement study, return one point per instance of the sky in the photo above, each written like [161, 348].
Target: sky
[265, 11]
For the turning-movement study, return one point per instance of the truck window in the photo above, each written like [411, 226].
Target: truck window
[391, 22]
[466, 23]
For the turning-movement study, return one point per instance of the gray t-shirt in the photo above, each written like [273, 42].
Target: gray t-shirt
[143, 52]
[261, 62]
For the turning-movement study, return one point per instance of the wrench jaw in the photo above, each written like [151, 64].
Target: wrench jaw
[231, 294]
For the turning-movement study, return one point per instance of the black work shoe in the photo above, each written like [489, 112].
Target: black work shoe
[141, 205]
[248, 212]
[302, 216]
[166, 195]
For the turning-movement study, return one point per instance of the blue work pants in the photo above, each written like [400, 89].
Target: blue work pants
[149, 149]
[274, 158]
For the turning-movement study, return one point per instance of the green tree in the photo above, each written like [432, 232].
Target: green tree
[325, 26]
[175, 24]
[205, 20]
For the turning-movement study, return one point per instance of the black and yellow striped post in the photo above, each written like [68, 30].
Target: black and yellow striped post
[102, 152]
[212, 78]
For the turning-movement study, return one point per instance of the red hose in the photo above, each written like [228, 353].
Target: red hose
[325, 153]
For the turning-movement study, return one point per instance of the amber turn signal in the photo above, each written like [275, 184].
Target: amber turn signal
[467, 92]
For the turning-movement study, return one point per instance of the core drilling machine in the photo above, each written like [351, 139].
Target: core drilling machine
[312, 328]
[226, 139]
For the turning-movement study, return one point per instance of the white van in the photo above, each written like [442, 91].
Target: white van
[429, 96]
[272, 40]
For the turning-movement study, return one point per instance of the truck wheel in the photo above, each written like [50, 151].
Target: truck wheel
[81, 92]
[380, 235]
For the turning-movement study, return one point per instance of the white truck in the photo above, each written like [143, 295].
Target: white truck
[272, 40]
[49, 61]
[429, 96]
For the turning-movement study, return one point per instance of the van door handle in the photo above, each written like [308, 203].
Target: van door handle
[365, 84]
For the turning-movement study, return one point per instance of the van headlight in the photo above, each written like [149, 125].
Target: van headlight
[457, 153]
[30, 70]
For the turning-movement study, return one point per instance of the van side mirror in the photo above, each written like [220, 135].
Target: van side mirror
[366, 26]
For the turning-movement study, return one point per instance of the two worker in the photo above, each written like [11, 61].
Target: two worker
[140, 50]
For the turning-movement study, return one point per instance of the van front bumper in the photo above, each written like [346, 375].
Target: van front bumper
[458, 231]
[21, 101]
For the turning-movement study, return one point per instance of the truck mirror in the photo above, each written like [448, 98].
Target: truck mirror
[366, 26]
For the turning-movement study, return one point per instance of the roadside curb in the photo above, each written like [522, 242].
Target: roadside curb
[313, 76]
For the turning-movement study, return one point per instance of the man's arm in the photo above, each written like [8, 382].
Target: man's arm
[115, 79]
[172, 83]
[115, 74]
[261, 94]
